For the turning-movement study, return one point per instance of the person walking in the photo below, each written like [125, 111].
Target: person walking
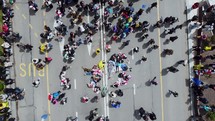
[85, 99]
[183, 62]
[126, 43]
[153, 5]
[94, 112]
[143, 59]
[153, 81]
[36, 83]
[174, 93]
[151, 42]
[135, 50]
[63, 101]
[28, 47]
[173, 38]
[172, 69]
[179, 26]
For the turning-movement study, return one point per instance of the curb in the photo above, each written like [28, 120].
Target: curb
[13, 104]
[190, 32]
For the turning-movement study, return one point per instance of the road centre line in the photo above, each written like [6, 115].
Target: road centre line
[134, 87]
[75, 84]
[44, 23]
[76, 114]
[88, 17]
[47, 80]
[132, 56]
[160, 60]
[105, 59]
[47, 74]
[102, 54]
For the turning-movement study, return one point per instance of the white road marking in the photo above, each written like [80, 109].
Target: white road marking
[30, 26]
[103, 58]
[89, 46]
[17, 7]
[132, 55]
[134, 87]
[35, 34]
[23, 16]
[88, 17]
[76, 114]
[61, 45]
[74, 83]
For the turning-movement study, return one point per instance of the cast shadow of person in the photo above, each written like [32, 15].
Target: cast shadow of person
[148, 83]
[148, 10]
[136, 114]
[168, 94]
[164, 72]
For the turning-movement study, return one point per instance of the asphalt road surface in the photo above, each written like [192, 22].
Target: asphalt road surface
[136, 94]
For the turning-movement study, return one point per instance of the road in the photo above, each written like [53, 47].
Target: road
[136, 94]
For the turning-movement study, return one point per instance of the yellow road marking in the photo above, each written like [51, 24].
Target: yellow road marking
[23, 16]
[44, 23]
[47, 80]
[47, 75]
[17, 7]
[160, 60]
[36, 35]
[30, 26]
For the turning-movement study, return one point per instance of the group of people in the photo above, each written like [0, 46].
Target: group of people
[10, 92]
[201, 56]
[127, 23]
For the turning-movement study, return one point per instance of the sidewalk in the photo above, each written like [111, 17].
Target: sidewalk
[191, 42]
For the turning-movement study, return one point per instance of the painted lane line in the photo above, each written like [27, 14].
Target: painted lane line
[102, 54]
[17, 7]
[30, 26]
[44, 23]
[61, 45]
[89, 46]
[134, 87]
[132, 56]
[75, 84]
[47, 77]
[36, 35]
[106, 69]
[160, 60]
[88, 17]
[47, 81]
[23, 16]
[76, 114]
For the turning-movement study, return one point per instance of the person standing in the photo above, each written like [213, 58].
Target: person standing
[36, 83]
[173, 38]
[9, 81]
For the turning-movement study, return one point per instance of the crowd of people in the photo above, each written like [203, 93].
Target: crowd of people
[204, 65]
[127, 23]
[10, 92]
